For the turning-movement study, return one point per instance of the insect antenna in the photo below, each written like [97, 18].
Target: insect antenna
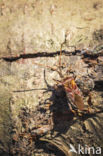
[49, 67]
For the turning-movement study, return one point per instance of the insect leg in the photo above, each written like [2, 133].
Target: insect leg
[89, 102]
[70, 107]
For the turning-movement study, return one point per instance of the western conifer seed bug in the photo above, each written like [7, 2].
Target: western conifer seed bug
[73, 93]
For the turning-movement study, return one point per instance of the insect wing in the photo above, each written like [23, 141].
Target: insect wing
[74, 97]
[78, 100]
[71, 99]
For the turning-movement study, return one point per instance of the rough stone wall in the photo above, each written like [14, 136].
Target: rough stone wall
[33, 27]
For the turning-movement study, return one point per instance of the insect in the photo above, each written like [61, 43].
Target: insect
[73, 93]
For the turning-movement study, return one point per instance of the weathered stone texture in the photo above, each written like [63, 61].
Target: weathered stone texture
[29, 27]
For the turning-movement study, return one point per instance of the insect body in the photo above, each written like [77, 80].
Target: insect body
[73, 94]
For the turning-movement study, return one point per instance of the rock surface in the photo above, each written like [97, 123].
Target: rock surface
[32, 32]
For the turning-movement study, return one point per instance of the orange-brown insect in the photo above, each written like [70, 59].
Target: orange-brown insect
[73, 93]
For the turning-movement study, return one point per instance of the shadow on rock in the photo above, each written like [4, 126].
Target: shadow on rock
[61, 115]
